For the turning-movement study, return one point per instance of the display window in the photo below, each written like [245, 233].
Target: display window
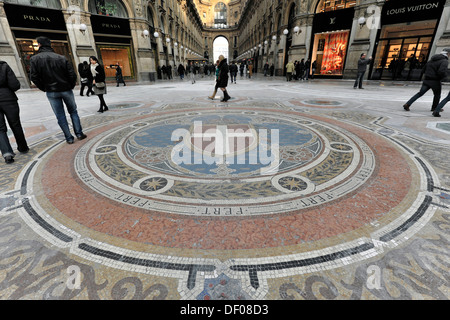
[113, 55]
[330, 49]
[403, 50]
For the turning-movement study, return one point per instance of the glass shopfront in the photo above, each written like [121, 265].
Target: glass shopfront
[29, 22]
[331, 32]
[405, 39]
[112, 36]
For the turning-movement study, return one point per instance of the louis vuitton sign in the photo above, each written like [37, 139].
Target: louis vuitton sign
[412, 10]
[20, 16]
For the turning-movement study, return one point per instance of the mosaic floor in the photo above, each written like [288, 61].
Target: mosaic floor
[278, 194]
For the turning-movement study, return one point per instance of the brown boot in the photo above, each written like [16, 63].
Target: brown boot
[213, 95]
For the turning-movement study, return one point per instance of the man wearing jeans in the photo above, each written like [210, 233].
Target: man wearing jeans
[362, 67]
[53, 74]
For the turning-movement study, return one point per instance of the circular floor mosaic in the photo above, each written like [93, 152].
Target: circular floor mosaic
[226, 181]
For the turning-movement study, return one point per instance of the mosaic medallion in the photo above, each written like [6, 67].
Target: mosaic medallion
[209, 162]
[225, 199]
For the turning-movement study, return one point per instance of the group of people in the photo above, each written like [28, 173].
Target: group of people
[53, 74]
[300, 70]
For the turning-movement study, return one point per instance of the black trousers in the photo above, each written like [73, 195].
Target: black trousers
[89, 90]
[10, 110]
[435, 86]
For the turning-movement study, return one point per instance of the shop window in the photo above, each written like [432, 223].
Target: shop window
[402, 50]
[51, 4]
[329, 52]
[113, 55]
[113, 8]
[330, 5]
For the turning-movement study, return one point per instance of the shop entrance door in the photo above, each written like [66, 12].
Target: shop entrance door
[402, 50]
[401, 59]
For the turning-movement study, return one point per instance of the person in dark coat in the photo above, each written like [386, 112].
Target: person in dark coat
[119, 74]
[85, 77]
[181, 71]
[362, 67]
[9, 109]
[233, 71]
[222, 80]
[53, 74]
[98, 73]
[435, 71]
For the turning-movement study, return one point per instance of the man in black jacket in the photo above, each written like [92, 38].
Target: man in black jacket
[53, 74]
[9, 108]
[435, 72]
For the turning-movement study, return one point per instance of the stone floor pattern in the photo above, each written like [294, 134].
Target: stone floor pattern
[288, 191]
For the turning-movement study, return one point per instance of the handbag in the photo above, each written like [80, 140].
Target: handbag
[84, 80]
[100, 85]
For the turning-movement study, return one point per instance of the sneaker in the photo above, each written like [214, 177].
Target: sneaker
[69, 141]
[82, 136]
[9, 159]
[436, 114]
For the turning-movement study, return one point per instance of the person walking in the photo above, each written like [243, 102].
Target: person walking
[98, 73]
[233, 72]
[216, 72]
[85, 78]
[313, 69]
[9, 109]
[181, 71]
[53, 74]
[192, 72]
[222, 80]
[362, 66]
[119, 75]
[289, 70]
[266, 69]
[301, 70]
[307, 69]
[434, 72]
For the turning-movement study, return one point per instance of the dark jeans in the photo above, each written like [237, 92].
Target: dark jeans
[359, 79]
[56, 100]
[89, 90]
[10, 110]
[441, 105]
[233, 76]
[434, 85]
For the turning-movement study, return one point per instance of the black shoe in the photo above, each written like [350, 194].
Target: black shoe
[105, 108]
[100, 110]
[9, 159]
[436, 114]
[406, 107]
[69, 141]
[82, 136]
[24, 151]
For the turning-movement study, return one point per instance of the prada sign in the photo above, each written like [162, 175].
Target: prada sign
[333, 20]
[110, 25]
[411, 10]
[34, 17]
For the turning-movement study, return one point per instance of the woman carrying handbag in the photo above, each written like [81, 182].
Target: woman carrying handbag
[99, 84]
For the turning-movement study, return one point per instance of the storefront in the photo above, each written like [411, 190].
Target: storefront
[113, 41]
[329, 45]
[29, 22]
[406, 36]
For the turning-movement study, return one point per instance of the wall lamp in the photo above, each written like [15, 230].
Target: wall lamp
[361, 22]
[145, 33]
[83, 28]
[297, 30]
